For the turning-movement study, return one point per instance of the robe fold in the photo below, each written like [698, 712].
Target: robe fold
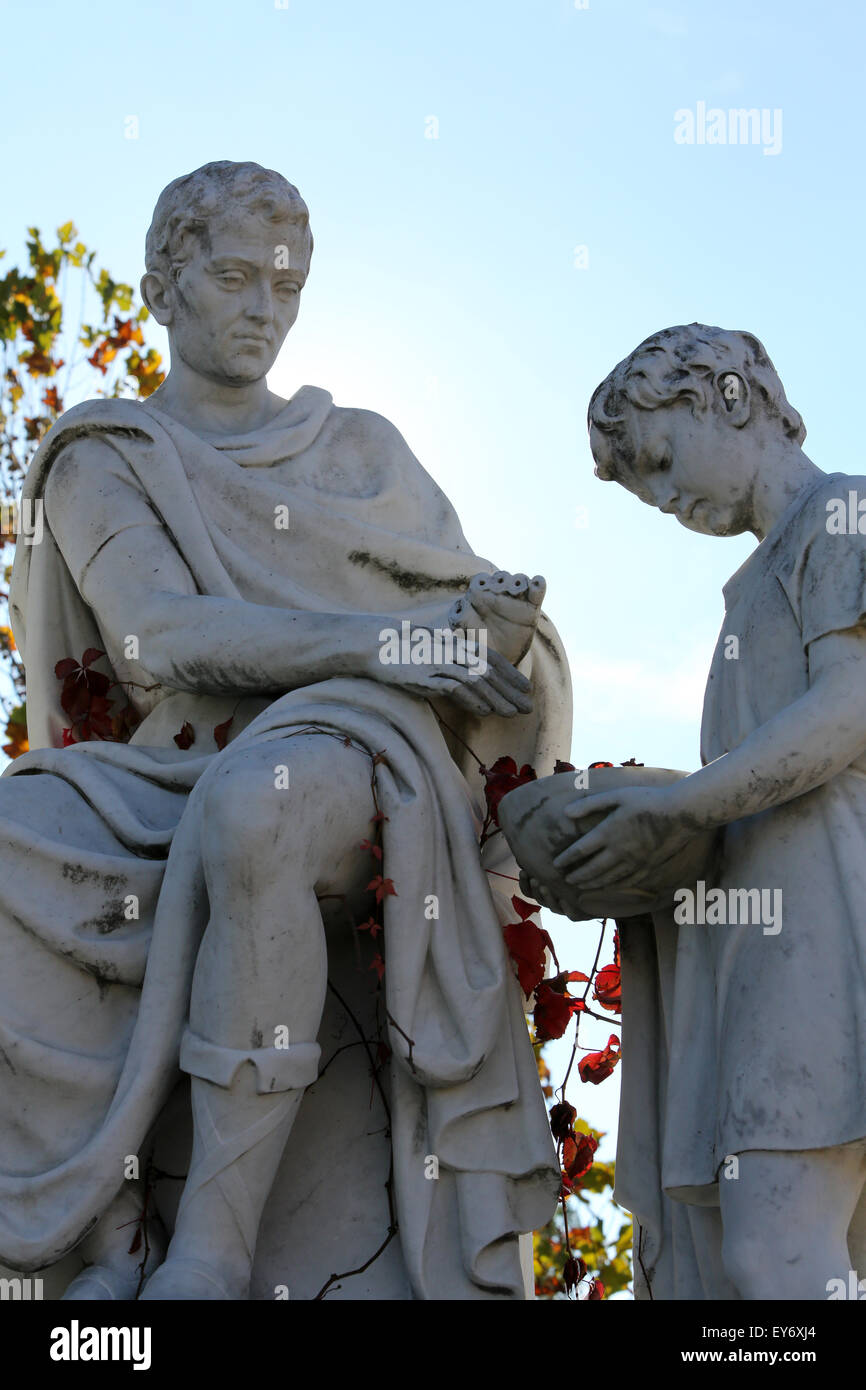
[93, 1000]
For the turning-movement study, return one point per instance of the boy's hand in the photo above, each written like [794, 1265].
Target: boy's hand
[643, 827]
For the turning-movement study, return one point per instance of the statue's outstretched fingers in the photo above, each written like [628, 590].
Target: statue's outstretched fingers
[518, 585]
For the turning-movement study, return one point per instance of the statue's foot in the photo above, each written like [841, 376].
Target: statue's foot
[184, 1278]
[100, 1283]
[115, 1272]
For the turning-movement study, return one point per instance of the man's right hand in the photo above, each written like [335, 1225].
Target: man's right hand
[500, 690]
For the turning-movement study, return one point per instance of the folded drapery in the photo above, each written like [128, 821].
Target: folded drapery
[93, 1002]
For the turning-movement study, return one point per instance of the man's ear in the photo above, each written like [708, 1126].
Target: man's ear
[735, 396]
[155, 293]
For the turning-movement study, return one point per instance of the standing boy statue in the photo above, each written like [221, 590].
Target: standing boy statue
[743, 1133]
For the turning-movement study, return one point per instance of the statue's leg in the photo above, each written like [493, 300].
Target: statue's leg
[259, 988]
[785, 1219]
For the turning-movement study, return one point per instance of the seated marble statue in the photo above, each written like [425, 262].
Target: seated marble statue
[742, 1148]
[160, 909]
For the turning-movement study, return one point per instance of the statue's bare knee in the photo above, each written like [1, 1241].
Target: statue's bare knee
[298, 806]
[270, 851]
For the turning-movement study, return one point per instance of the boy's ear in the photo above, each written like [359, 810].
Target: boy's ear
[735, 396]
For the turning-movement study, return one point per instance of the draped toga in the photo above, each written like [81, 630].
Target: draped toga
[93, 1000]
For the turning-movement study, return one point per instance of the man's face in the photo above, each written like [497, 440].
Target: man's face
[701, 470]
[234, 302]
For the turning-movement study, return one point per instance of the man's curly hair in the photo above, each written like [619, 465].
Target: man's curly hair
[186, 207]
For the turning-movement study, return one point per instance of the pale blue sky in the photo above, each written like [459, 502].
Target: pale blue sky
[444, 291]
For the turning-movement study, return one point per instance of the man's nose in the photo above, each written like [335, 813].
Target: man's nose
[260, 305]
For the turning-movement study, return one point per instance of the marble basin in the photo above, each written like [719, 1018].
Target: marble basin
[534, 823]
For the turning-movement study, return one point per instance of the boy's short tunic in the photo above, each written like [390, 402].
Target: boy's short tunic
[767, 1037]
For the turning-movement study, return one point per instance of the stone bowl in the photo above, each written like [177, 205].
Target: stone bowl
[533, 820]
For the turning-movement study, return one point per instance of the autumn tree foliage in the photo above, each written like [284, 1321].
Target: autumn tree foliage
[51, 359]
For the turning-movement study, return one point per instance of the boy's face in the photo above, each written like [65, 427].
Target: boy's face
[701, 470]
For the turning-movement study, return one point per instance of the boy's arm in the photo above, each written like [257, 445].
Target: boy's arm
[800, 748]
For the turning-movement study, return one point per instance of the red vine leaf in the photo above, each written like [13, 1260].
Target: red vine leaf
[523, 908]
[501, 778]
[552, 1014]
[382, 887]
[562, 1118]
[597, 1066]
[527, 943]
[573, 1271]
[84, 696]
[578, 1153]
[608, 988]
[186, 737]
[221, 732]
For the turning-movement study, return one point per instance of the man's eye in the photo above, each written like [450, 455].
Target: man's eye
[288, 289]
[231, 279]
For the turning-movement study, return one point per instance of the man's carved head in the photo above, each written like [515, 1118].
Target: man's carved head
[227, 254]
[668, 423]
[221, 190]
